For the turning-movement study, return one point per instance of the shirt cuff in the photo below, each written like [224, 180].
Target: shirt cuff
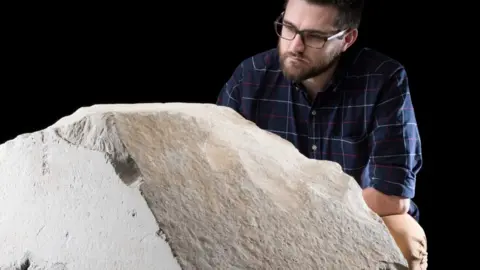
[395, 189]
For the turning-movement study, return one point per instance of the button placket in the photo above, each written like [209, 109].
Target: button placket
[312, 134]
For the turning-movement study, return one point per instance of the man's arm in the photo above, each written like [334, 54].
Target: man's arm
[395, 150]
[230, 95]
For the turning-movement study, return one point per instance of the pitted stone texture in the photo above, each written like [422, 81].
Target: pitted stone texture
[224, 193]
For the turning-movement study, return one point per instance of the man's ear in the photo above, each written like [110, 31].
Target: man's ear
[349, 39]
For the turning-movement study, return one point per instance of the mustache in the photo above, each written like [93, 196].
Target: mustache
[292, 54]
[295, 55]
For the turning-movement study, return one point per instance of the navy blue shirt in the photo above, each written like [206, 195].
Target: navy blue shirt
[364, 120]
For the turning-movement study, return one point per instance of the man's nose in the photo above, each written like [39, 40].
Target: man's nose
[297, 44]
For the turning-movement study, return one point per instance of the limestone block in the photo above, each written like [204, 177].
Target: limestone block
[179, 186]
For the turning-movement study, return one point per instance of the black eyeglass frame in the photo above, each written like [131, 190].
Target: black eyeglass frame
[277, 23]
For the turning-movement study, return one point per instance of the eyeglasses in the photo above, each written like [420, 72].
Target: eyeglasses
[309, 38]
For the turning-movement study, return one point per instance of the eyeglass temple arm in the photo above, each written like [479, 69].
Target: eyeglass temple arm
[337, 35]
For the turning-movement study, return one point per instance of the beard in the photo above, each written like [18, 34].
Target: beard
[301, 69]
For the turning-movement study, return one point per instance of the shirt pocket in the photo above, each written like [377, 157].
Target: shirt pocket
[345, 123]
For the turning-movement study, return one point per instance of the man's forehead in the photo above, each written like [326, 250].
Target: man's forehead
[306, 16]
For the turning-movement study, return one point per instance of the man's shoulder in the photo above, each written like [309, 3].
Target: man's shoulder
[367, 61]
[267, 60]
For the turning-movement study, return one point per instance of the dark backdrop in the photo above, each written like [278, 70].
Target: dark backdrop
[63, 57]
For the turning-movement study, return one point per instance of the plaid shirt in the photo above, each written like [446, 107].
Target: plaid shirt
[364, 120]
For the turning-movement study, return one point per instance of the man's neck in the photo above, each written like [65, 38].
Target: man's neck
[317, 84]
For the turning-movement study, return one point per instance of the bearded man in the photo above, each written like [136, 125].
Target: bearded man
[333, 102]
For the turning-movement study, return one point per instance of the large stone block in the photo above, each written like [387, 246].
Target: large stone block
[179, 186]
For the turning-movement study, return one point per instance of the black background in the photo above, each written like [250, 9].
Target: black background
[61, 58]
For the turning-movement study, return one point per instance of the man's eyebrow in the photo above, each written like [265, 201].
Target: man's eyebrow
[316, 31]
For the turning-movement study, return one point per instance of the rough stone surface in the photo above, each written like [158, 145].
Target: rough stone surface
[179, 186]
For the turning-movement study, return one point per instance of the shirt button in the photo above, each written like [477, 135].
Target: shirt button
[314, 112]
[314, 147]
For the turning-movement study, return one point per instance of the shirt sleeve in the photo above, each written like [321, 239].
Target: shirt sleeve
[395, 143]
[230, 94]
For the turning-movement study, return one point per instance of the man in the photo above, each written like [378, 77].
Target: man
[337, 103]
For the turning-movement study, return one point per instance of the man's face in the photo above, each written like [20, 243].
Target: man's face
[298, 61]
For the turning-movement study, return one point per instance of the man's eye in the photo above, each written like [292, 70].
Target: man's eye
[315, 37]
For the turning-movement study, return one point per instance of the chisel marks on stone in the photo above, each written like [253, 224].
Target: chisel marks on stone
[45, 166]
[383, 265]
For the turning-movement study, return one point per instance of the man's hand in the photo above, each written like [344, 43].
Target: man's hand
[385, 205]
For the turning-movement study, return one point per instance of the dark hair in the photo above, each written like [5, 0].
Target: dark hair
[349, 11]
